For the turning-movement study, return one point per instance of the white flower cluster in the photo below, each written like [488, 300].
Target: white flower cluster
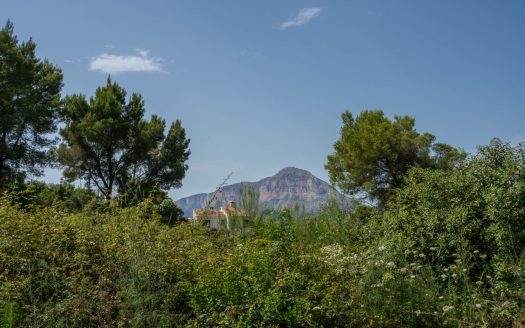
[332, 252]
[333, 255]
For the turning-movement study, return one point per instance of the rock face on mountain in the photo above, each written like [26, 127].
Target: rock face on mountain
[288, 186]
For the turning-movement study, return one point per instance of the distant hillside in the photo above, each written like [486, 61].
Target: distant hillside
[279, 191]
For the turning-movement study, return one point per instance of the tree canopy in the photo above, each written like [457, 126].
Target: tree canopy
[374, 154]
[109, 144]
[29, 106]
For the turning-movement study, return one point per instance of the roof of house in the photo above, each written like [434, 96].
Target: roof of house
[207, 213]
[235, 212]
[210, 213]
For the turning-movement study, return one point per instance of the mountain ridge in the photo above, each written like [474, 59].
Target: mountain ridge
[287, 187]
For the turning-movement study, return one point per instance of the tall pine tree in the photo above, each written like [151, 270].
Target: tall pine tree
[109, 144]
[29, 107]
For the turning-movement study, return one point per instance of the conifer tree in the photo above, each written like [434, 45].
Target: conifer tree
[109, 144]
[29, 107]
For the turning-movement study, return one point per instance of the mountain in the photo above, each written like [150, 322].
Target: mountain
[288, 186]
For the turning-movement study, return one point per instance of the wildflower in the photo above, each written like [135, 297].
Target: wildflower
[455, 254]
[317, 308]
[441, 297]
[445, 269]
[412, 276]
[443, 276]
[435, 313]
[422, 255]
[403, 270]
[391, 264]
[489, 277]
[479, 282]
[381, 248]
[433, 249]
[447, 308]
[418, 312]
[464, 270]
[476, 251]
[458, 261]
[418, 267]
[454, 275]
[478, 306]
[412, 264]
[483, 256]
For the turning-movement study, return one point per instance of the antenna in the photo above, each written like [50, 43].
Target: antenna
[218, 190]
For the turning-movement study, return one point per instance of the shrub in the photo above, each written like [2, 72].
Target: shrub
[471, 220]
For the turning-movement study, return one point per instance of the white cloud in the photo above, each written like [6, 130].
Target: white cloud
[114, 64]
[304, 16]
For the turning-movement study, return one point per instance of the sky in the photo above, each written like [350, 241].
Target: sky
[261, 85]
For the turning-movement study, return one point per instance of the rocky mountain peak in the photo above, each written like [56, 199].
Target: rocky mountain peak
[289, 186]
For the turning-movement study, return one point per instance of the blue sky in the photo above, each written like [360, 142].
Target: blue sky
[260, 85]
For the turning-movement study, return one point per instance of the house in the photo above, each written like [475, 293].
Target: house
[228, 217]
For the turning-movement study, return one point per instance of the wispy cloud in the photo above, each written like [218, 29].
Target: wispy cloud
[114, 64]
[304, 16]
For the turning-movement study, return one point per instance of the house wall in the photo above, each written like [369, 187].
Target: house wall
[214, 223]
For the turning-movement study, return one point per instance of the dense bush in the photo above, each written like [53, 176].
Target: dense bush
[118, 267]
[469, 225]
[449, 251]
[52, 272]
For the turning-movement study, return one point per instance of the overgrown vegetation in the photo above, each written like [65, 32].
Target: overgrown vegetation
[448, 251]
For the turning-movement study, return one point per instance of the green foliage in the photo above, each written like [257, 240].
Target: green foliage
[374, 154]
[84, 270]
[7, 308]
[124, 267]
[470, 221]
[250, 201]
[56, 272]
[63, 196]
[169, 212]
[109, 144]
[29, 106]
